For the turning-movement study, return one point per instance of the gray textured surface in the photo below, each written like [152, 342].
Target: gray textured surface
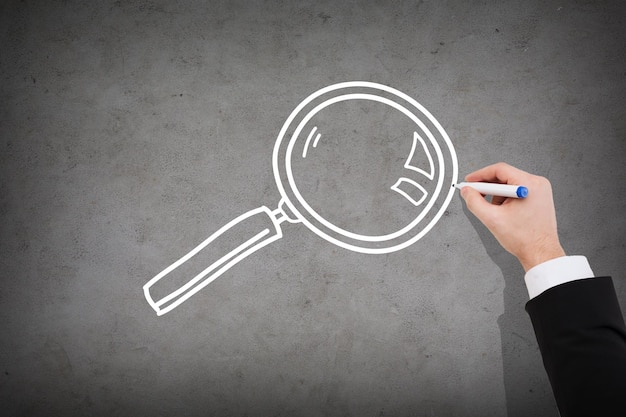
[129, 131]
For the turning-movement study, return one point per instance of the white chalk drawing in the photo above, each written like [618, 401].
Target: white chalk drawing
[430, 174]
[438, 177]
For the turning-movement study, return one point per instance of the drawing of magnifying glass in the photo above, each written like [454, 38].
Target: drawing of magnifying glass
[362, 165]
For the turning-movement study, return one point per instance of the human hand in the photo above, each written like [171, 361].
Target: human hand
[524, 227]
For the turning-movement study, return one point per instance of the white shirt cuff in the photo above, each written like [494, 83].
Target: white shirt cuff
[555, 272]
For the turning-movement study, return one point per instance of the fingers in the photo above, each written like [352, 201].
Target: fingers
[500, 173]
[477, 204]
[498, 200]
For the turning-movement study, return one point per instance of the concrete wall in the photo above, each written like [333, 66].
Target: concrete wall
[130, 131]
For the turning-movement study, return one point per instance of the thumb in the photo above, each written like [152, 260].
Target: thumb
[477, 204]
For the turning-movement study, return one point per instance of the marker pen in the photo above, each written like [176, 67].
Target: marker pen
[501, 190]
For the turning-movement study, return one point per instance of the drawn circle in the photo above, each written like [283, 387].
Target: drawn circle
[294, 145]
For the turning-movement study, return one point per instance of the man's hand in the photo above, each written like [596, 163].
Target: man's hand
[524, 227]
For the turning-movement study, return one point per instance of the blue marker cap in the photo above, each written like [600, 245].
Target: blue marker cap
[522, 192]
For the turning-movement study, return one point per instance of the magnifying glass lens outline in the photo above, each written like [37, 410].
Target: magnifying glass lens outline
[284, 152]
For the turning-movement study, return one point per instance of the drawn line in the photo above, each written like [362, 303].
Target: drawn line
[194, 285]
[308, 140]
[319, 135]
[212, 277]
[430, 175]
[396, 187]
[280, 215]
[213, 266]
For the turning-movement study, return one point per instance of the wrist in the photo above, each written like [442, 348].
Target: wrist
[540, 255]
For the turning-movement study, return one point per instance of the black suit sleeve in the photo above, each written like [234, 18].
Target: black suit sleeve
[582, 338]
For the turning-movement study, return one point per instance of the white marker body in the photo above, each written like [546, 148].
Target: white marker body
[501, 190]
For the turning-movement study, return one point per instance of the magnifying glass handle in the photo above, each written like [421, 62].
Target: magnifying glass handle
[220, 251]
